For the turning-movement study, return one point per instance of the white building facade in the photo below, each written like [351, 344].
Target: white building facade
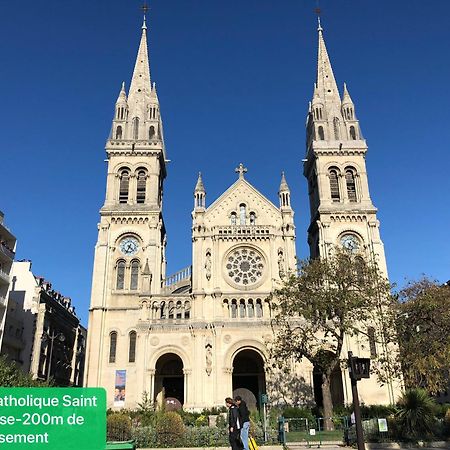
[200, 335]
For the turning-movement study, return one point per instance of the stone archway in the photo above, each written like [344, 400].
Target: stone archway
[337, 387]
[169, 378]
[249, 377]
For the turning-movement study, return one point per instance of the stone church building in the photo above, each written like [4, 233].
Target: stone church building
[200, 335]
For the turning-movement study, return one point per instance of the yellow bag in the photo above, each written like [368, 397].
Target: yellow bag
[252, 445]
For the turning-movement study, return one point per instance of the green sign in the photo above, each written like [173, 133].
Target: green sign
[52, 418]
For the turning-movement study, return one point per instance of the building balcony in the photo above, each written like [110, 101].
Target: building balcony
[4, 277]
[6, 251]
[243, 231]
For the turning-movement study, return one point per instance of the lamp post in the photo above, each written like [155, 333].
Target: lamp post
[51, 337]
[358, 368]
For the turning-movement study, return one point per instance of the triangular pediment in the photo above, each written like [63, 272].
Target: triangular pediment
[242, 192]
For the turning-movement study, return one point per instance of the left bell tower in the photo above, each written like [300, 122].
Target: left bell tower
[129, 259]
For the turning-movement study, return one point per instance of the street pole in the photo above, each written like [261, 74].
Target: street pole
[356, 408]
[51, 338]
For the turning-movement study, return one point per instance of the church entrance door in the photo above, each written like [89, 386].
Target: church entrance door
[249, 378]
[169, 378]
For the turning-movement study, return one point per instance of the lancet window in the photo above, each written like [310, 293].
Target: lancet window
[132, 347]
[112, 347]
[120, 282]
[124, 186]
[351, 184]
[134, 279]
[141, 186]
[334, 185]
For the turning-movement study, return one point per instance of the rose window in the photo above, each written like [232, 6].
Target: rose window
[245, 266]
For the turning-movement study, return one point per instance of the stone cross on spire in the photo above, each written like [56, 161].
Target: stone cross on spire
[241, 170]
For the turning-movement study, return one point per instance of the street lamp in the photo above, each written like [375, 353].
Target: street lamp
[51, 337]
[358, 368]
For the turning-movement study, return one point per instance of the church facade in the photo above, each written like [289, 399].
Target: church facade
[200, 335]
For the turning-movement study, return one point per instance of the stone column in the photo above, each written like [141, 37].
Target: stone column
[187, 396]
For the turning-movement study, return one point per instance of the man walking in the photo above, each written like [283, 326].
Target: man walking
[234, 424]
[244, 414]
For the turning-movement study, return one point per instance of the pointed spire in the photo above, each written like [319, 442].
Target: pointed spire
[122, 98]
[316, 97]
[346, 99]
[199, 187]
[141, 83]
[326, 83]
[283, 185]
[146, 270]
[284, 194]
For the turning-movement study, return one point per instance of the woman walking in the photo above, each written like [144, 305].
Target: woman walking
[234, 425]
[244, 415]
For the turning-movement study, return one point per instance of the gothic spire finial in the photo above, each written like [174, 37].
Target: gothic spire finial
[199, 187]
[283, 185]
[141, 83]
[144, 9]
[326, 83]
[241, 170]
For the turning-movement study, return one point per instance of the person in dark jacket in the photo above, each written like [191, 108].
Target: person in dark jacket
[234, 425]
[244, 414]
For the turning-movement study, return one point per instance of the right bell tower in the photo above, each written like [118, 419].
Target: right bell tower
[342, 212]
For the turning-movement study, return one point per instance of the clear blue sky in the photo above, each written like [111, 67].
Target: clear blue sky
[234, 80]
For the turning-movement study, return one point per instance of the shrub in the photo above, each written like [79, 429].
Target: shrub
[12, 376]
[221, 421]
[188, 417]
[447, 423]
[118, 427]
[201, 421]
[416, 414]
[204, 436]
[144, 437]
[170, 429]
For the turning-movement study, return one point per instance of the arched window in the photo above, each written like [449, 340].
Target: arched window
[351, 185]
[352, 133]
[187, 309]
[119, 132]
[250, 309]
[336, 128]
[259, 310]
[171, 309]
[242, 214]
[252, 218]
[120, 283]
[321, 133]
[162, 310]
[132, 347]
[134, 275]
[141, 186]
[124, 186]
[233, 218]
[136, 128]
[233, 309]
[178, 310]
[334, 185]
[151, 132]
[242, 308]
[112, 347]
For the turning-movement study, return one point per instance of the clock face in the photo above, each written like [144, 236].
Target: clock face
[129, 246]
[350, 242]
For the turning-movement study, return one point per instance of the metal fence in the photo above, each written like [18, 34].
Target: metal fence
[311, 431]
